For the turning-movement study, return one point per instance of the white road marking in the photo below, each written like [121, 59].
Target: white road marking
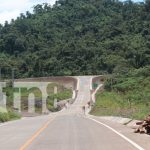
[124, 137]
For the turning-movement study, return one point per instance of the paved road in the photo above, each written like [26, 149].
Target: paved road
[69, 129]
[78, 133]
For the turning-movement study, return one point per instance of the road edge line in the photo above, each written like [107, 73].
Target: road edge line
[121, 135]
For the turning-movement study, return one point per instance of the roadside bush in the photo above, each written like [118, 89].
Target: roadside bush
[10, 115]
[13, 115]
[125, 95]
[4, 117]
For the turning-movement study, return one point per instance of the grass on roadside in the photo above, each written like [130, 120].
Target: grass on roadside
[113, 104]
[130, 98]
[8, 116]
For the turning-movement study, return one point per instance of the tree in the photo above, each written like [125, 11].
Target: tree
[38, 9]
[79, 37]
[147, 5]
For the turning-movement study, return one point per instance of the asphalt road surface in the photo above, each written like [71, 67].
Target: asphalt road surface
[70, 129]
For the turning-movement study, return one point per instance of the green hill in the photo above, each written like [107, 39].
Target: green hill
[77, 37]
[84, 37]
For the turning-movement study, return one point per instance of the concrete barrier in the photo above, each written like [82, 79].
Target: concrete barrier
[67, 81]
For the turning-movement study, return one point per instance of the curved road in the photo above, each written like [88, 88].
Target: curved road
[69, 129]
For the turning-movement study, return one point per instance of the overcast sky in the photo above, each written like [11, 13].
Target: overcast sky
[12, 8]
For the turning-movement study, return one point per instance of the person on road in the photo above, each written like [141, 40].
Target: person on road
[89, 104]
[67, 104]
[83, 109]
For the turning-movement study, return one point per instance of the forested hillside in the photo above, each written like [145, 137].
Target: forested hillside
[77, 37]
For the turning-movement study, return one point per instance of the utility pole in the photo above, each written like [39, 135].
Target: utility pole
[111, 84]
[12, 77]
[0, 74]
[55, 100]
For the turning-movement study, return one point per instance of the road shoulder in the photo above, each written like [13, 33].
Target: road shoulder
[141, 139]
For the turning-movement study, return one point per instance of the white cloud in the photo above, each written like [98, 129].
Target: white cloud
[8, 15]
[11, 9]
[11, 5]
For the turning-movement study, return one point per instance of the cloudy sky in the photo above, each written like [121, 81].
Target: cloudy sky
[12, 8]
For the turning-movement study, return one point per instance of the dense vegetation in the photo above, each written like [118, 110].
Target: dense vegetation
[77, 37]
[8, 115]
[125, 95]
[83, 37]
